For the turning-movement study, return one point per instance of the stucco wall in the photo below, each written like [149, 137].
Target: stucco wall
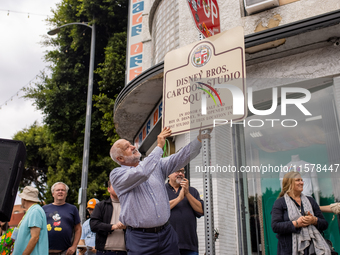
[232, 15]
[224, 205]
[308, 65]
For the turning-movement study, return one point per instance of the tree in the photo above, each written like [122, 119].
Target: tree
[39, 155]
[62, 96]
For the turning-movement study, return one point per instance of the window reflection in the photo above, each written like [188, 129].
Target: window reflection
[314, 140]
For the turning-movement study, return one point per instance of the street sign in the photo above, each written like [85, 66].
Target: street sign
[206, 16]
[204, 83]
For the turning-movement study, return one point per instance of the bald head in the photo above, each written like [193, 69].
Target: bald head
[124, 153]
[116, 151]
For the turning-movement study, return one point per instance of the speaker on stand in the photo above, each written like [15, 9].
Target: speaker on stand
[12, 161]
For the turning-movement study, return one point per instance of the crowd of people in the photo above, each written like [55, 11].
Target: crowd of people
[146, 216]
[135, 219]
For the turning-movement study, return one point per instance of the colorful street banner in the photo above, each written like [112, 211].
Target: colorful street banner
[134, 52]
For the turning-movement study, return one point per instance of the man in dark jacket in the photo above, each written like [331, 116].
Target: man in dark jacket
[105, 223]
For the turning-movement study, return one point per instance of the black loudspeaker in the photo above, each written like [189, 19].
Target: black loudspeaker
[12, 161]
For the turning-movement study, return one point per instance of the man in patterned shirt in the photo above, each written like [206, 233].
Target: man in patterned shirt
[144, 201]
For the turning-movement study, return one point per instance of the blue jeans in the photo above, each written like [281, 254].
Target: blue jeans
[187, 252]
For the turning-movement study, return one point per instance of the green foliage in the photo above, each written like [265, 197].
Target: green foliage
[38, 147]
[55, 150]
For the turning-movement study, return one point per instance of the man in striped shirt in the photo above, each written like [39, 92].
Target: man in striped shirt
[144, 201]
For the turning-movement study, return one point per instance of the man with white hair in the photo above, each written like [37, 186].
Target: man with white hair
[144, 201]
[63, 222]
[32, 234]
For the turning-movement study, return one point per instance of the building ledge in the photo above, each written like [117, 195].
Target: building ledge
[138, 98]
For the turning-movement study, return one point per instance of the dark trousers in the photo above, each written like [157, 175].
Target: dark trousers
[188, 252]
[111, 253]
[164, 242]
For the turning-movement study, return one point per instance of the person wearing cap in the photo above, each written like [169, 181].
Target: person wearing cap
[88, 237]
[63, 222]
[32, 235]
[110, 239]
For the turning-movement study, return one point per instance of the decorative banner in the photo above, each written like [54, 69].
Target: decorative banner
[206, 16]
[205, 82]
[149, 125]
[135, 46]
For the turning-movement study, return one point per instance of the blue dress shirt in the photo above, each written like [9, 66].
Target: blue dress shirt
[141, 190]
[87, 235]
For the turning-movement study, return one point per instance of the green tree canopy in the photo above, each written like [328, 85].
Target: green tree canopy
[57, 146]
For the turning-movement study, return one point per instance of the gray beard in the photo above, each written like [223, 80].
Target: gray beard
[178, 181]
[132, 159]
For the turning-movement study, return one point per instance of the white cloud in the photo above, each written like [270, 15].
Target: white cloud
[21, 59]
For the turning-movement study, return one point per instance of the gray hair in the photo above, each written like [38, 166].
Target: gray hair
[53, 186]
[116, 152]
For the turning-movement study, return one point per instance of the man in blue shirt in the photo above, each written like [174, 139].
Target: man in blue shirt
[32, 234]
[88, 237]
[63, 222]
[144, 201]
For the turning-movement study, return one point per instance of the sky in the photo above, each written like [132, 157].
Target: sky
[22, 25]
[21, 60]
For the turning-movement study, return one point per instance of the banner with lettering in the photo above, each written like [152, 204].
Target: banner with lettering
[204, 83]
[134, 52]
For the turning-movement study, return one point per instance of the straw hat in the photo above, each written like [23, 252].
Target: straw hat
[30, 193]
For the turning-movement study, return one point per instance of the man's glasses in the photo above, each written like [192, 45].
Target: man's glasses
[180, 171]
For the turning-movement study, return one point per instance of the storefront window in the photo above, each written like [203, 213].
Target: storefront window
[272, 146]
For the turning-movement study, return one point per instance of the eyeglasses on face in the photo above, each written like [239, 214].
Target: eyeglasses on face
[180, 171]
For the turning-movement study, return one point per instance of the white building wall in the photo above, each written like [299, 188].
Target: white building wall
[231, 15]
[224, 205]
[289, 13]
[187, 31]
[308, 65]
[224, 192]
